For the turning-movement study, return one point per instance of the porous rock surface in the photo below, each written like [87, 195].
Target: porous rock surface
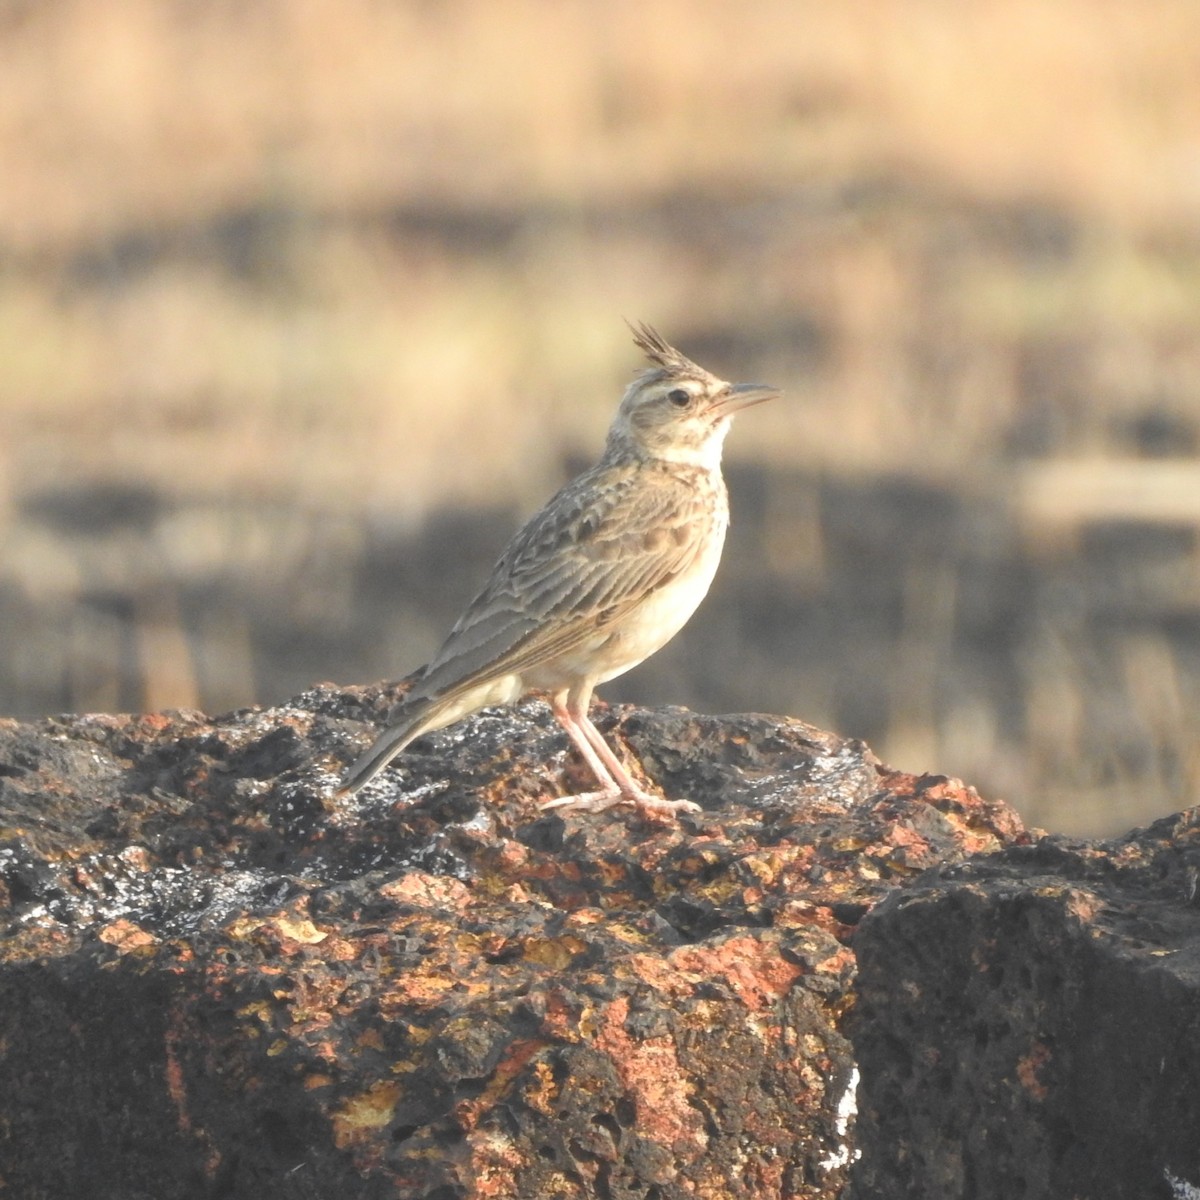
[1028, 1025]
[217, 980]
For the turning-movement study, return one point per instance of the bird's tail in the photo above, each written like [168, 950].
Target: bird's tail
[387, 745]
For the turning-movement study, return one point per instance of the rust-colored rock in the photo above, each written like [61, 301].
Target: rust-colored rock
[1027, 1025]
[215, 980]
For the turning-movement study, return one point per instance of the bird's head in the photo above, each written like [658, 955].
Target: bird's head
[676, 411]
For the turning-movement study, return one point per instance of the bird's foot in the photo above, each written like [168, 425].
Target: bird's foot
[646, 804]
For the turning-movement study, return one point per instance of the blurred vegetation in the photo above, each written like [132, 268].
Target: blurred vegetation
[303, 306]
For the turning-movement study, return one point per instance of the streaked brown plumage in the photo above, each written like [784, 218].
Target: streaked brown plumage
[598, 580]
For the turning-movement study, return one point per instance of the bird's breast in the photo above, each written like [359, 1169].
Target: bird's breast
[659, 617]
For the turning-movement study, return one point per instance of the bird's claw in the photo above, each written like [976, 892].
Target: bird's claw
[601, 801]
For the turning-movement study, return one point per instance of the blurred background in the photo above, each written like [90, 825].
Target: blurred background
[304, 305]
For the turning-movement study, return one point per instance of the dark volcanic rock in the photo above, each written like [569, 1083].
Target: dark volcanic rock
[218, 981]
[1028, 1025]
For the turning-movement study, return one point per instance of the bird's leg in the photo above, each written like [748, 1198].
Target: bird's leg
[610, 791]
[617, 785]
[627, 784]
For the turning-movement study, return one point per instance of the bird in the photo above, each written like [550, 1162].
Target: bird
[601, 577]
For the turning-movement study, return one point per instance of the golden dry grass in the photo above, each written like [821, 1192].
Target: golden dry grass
[365, 260]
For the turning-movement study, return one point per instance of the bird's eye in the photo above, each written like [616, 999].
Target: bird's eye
[679, 397]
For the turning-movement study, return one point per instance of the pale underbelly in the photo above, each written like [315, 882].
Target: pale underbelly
[631, 640]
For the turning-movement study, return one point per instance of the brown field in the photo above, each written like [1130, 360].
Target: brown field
[303, 304]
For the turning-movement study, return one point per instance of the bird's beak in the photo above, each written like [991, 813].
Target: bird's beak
[742, 395]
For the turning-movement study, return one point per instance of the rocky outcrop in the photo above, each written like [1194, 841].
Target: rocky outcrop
[1027, 1025]
[217, 980]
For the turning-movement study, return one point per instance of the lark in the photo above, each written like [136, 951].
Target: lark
[597, 581]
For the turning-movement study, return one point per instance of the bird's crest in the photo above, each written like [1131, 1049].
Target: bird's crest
[660, 352]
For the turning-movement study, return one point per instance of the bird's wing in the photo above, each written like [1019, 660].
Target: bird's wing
[600, 547]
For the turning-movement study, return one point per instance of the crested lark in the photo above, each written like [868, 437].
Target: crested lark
[602, 577]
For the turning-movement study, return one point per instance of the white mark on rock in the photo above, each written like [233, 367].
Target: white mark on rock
[846, 1110]
[1180, 1188]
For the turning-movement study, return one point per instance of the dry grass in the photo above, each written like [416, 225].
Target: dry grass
[327, 266]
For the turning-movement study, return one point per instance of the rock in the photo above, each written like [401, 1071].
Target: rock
[217, 980]
[1027, 1025]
